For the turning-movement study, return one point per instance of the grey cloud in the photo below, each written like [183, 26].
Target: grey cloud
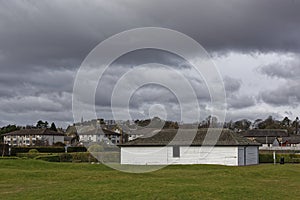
[36, 82]
[231, 84]
[56, 33]
[239, 102]
[44, 42]
[286, 70]
[241, 25]
[44, 103]
[285, 95]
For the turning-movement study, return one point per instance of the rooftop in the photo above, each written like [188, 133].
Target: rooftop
[166, 137]
[265, 133]
[33, 132]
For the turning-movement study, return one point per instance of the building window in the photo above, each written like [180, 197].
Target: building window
[176, 151]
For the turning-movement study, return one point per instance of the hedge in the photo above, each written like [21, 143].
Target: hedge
[68, 157]
[76, 149]
[288, 158]
[48, 149]
[83, 157]
[16, 150]
[74, 157]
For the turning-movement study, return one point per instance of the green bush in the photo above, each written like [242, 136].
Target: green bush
[32, 155]
[33, 151]
[266, 158]
[65, 157]
[74, 157]
[288, 158]
[83, 157]
[76, 149]
[16, 150]
[26, 155]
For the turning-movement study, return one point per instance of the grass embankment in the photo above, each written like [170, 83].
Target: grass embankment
[34, 179]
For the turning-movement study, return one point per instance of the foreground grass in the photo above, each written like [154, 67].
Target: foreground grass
[32, 179]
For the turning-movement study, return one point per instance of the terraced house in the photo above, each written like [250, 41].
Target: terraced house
[31, 137]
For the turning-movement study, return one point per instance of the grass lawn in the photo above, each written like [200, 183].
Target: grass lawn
[33, 179]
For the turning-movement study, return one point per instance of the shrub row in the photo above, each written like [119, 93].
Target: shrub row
[68, 157]
[16, 150]
[288, 158]
[82, 157]
[76, 149]
[279, 151]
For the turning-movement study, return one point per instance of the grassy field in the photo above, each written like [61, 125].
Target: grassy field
[32, 179]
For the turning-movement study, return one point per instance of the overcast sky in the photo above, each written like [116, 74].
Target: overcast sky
[254, 44]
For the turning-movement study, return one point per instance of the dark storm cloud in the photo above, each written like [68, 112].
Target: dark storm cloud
[61, 33]
[42, 44]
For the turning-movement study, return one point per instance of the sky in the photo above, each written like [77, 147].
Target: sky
[255, 45]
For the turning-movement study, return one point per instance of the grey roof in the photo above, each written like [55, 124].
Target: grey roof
[142, 131]
[294, 139]
[265, 140]
[33, 132]
[265, 132]
[172, 137]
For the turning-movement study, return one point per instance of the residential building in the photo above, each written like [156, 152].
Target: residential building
[99, 135]
[31, 137]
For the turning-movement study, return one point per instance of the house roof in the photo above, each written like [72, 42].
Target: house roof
[142, 131]
[184, 136]
[265, 140]
[294, 139]
[33, 132]
[265, 132]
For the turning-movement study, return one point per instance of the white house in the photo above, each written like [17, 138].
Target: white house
[164, 148]
[31, 137]
[98, 135]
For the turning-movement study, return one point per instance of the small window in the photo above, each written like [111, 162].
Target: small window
[176, 151]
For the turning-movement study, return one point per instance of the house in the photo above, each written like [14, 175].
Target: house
[99, 135]
[291, 141]
[31, 137]
[137, 133]
[163, 148]
[267, 137]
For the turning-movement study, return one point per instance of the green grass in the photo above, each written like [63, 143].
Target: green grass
[34, 179]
